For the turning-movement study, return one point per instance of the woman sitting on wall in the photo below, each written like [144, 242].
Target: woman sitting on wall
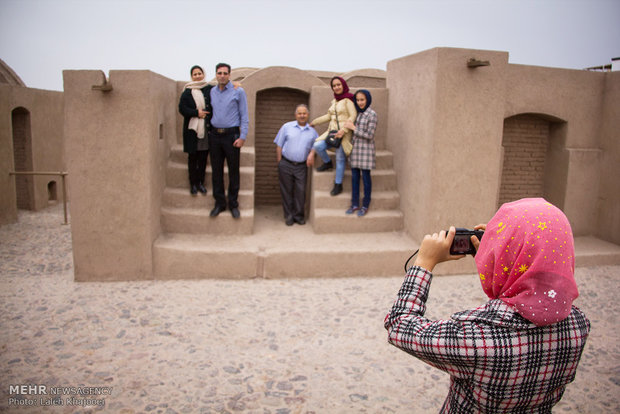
[195, 106]
[363, 155]
[340, 110]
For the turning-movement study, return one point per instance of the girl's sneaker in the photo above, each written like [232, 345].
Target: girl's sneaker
[352, 209]
[362, 212]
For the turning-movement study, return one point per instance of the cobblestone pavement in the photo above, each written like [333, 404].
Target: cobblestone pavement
[252, 346]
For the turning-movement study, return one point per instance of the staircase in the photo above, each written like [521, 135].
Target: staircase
[183, 213]
[194, 245]
[328, 212]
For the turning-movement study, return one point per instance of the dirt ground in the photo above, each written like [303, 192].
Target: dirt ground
[252, 346]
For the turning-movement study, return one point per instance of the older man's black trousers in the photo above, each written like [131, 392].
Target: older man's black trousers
[293, 178]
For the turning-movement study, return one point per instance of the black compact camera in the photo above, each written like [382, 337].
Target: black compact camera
[462, 241]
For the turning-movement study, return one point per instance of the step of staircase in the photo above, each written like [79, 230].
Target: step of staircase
[181, 198]
[176, 176]
[381, 180]
[380, 200]
[275, 250]
[327, 220]
[198, 221]
[328, 212]
[246, 155]
[183, 213]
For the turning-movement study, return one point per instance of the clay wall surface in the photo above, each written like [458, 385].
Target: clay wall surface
[365, 78]
[575, 98]
[117, 145]
[45, 116]
[608, 202]
[446, 128]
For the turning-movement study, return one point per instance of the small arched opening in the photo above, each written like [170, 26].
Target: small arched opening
[52, 192]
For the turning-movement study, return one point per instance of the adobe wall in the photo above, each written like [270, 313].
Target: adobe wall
[445, 128]
[575, 97]
[608, 215]
[446, 125]
[46, 132]
[117, 144]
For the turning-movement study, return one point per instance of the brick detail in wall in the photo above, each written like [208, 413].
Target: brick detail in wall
[525, 143]
[274, 107]
[22, 156]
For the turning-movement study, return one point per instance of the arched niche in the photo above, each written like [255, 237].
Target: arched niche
[275, 77]
[22, 157]
[534, 160]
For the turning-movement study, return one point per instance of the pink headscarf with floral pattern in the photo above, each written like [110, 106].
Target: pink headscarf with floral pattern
[527, 259]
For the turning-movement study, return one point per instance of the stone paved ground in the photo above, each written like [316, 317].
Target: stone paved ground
[252, 346]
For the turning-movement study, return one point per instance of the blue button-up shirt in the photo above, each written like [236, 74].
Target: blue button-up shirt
[295, 140]
[230, 109]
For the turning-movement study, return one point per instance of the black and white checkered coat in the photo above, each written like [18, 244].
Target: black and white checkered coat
[498, 361]
[363, 155]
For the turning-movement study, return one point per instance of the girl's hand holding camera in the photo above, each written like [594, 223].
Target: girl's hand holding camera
[435, 248]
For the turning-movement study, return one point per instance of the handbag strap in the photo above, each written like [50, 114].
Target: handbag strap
[337, 123]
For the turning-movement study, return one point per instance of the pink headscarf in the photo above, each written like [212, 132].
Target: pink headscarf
[527, 259]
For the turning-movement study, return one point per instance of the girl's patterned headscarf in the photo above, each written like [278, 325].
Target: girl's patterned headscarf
[527, 259]
[345, 89]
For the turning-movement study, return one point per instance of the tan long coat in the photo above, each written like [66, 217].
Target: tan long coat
[346, 110]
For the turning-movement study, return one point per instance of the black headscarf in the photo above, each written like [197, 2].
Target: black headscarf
[368, 100]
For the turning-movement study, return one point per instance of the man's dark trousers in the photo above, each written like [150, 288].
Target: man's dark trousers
[221, 148]
[293, 188]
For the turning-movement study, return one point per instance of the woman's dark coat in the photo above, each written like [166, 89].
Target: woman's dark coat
[187, 108]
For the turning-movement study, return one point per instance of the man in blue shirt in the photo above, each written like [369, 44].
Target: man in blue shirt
[228, 133]
[294, 154]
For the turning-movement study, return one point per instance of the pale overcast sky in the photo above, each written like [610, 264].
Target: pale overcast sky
[40, 38]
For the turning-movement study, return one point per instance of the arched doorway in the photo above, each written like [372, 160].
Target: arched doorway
[22, 157]
[274, 107]
[52, 193]
[531, 165]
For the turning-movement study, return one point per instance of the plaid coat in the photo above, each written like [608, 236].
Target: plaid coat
[363, 155]
[498, 361]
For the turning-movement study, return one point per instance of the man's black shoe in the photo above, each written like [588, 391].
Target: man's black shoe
[193, 191]
[326, 166]
[235, 212]
[202, 188]
[216, 210]
[301, 222]
[289, 222]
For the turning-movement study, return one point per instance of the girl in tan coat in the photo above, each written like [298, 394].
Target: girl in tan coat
[343, 108]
